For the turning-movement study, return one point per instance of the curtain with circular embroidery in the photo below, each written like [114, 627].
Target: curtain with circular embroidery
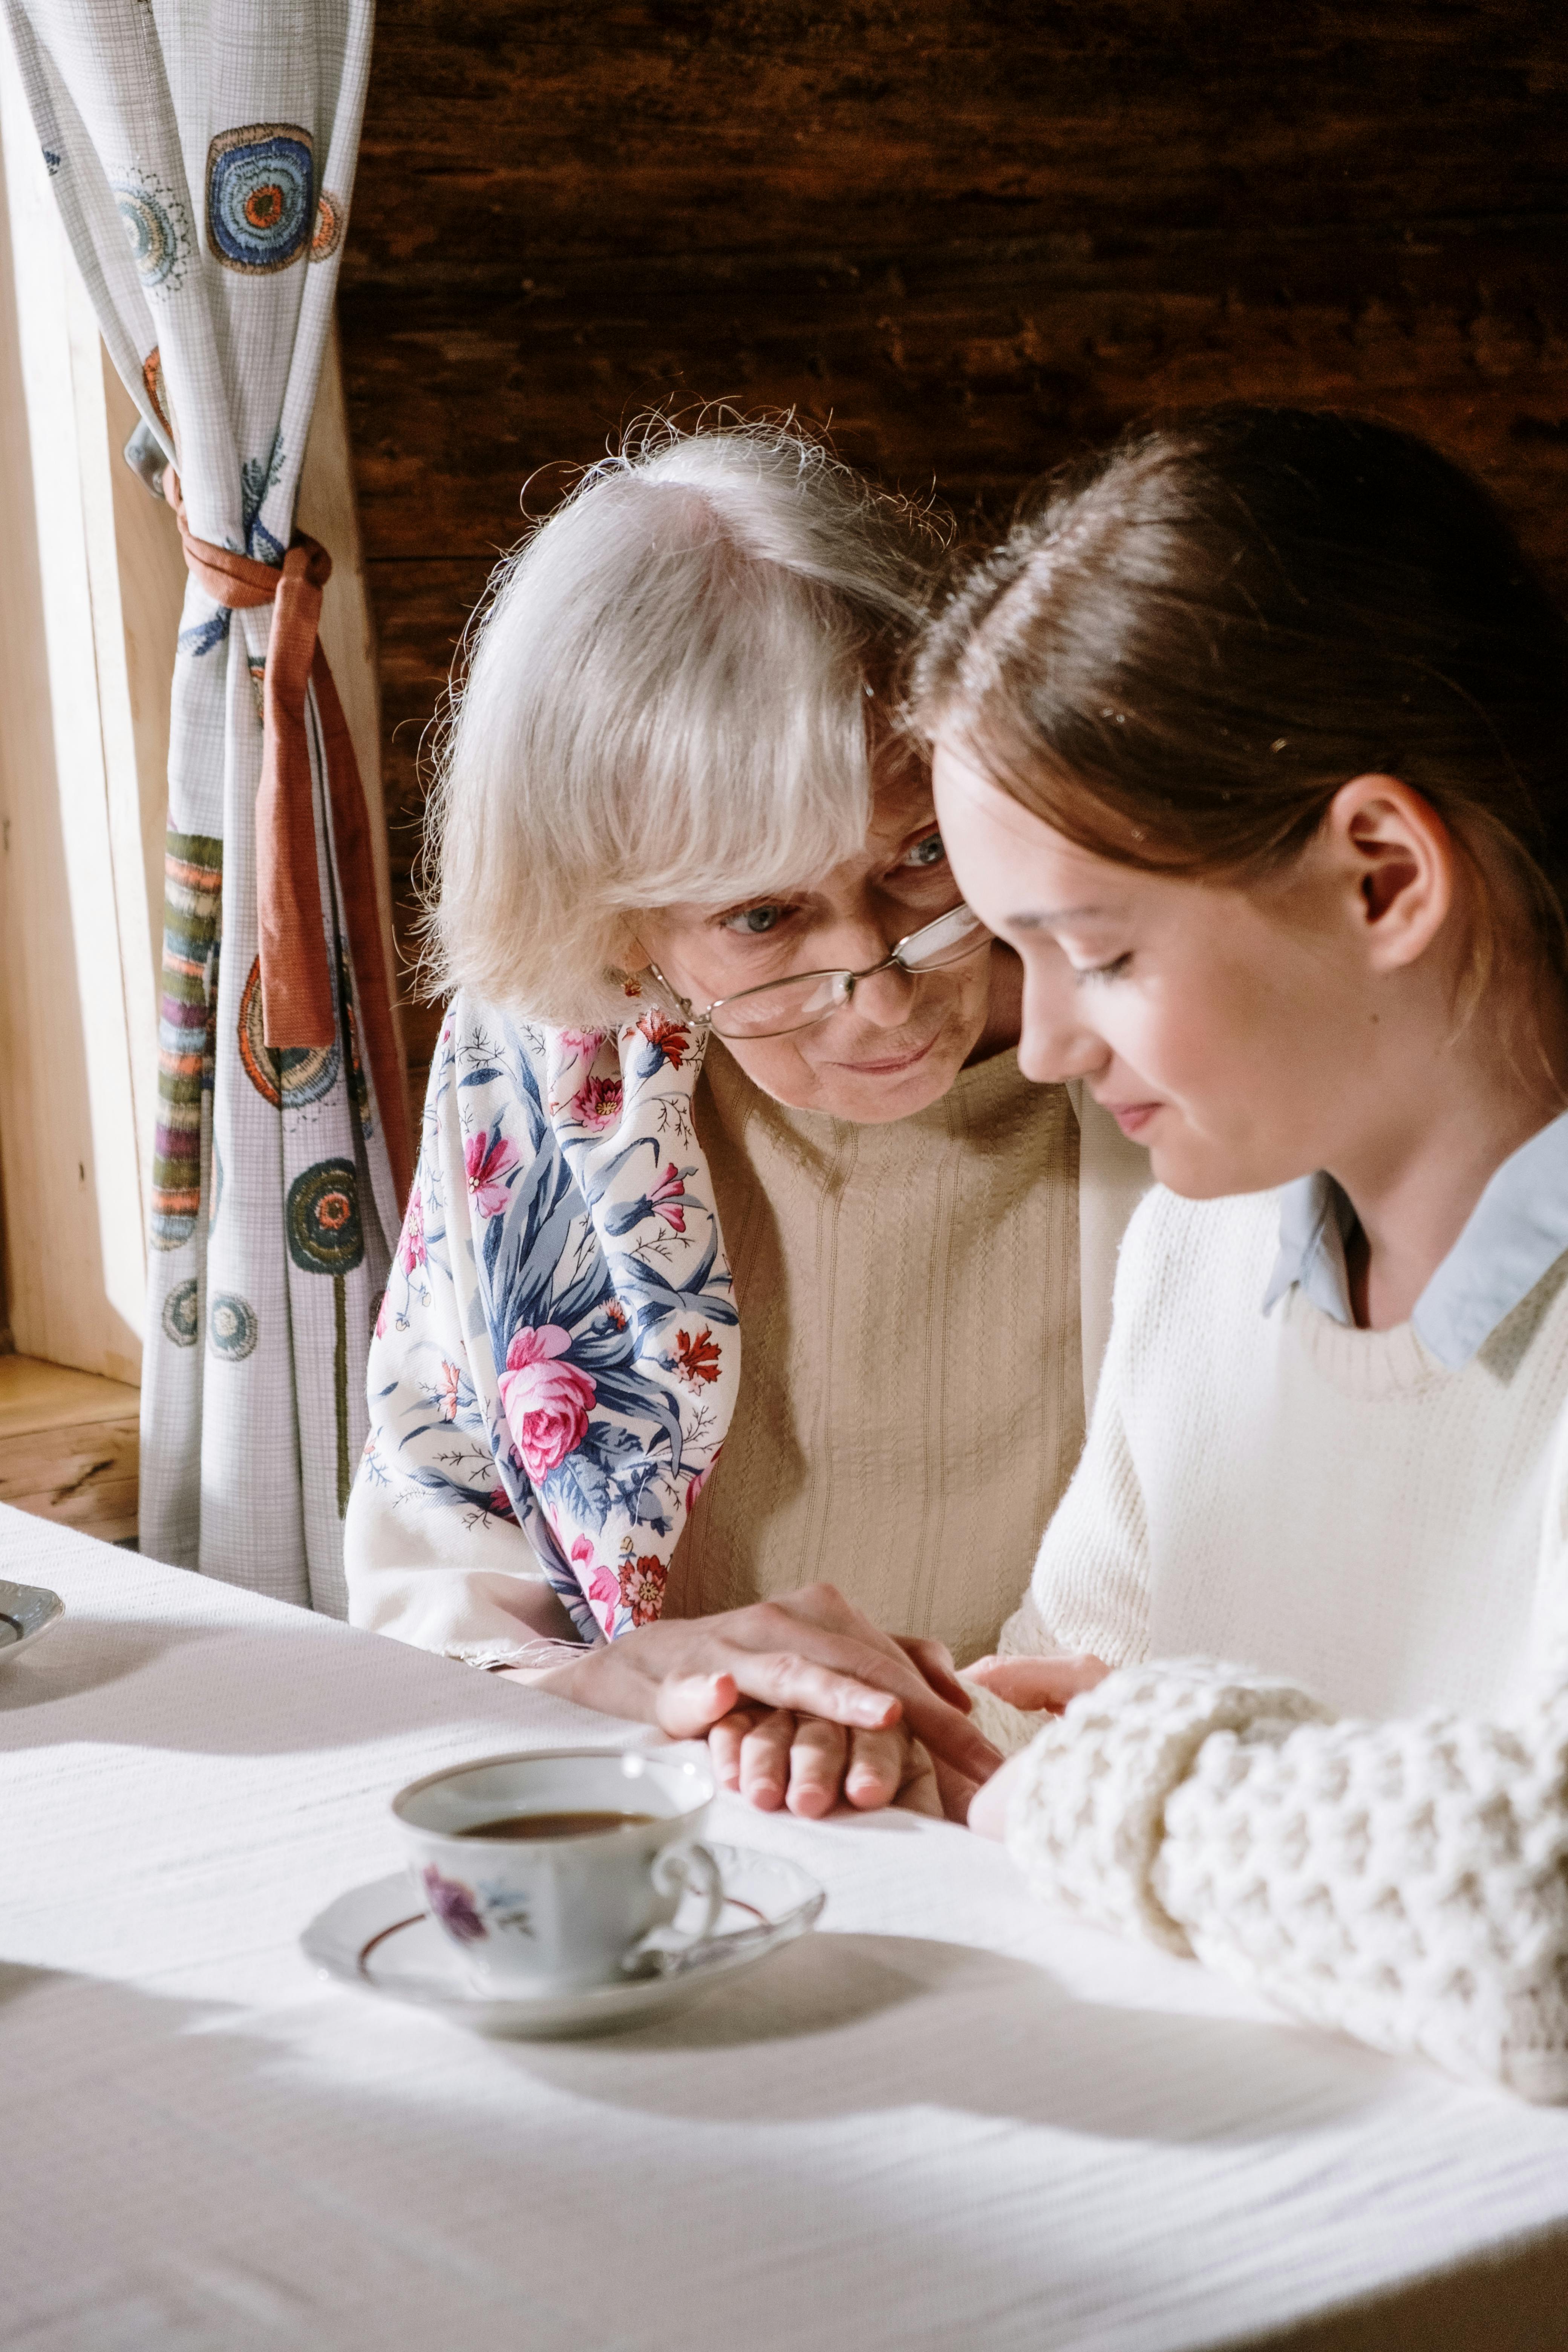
[202, 153]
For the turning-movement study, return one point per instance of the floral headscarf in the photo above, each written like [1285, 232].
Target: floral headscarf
[558, 1343]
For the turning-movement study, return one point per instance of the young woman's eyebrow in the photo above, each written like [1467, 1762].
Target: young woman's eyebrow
[1047, 917]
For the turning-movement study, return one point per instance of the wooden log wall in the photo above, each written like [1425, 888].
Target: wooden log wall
[978, 236]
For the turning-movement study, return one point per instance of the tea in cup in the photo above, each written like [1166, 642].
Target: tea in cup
[563, 1867]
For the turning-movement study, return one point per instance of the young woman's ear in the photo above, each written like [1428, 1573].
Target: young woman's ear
[1395, 860]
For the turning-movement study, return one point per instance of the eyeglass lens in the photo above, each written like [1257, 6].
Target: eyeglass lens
[781, 1005]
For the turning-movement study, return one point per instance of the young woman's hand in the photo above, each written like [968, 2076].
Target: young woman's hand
[808, 1654]
[1039, 1686]
[773, 1757]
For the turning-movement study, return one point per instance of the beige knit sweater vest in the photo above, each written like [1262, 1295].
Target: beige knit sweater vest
[911, 1386]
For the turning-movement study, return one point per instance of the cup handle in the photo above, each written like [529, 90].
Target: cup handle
[680, 1869]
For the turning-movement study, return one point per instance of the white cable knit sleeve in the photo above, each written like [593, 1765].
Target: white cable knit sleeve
[1404, 1881]
[1086, 1816]
[1007, 1727]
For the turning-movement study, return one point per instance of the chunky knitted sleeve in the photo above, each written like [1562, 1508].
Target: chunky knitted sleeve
[1405, 1882]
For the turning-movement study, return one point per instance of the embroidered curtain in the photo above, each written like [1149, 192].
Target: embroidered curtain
[203, 155]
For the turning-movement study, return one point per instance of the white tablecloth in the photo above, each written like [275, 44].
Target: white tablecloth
[946, 2119]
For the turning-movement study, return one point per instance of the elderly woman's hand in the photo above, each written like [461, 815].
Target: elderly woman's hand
[777, 1757]
[772, 1758]
[809, 1654]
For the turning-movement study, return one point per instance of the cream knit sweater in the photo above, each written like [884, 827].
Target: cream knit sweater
[911, 1404]
[1369, 1819]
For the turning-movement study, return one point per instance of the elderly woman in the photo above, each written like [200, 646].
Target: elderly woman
[726, 1146]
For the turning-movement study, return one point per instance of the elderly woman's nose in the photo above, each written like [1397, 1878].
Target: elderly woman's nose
[884, 998]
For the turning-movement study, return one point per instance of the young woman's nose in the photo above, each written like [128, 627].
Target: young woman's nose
[1057, 1043]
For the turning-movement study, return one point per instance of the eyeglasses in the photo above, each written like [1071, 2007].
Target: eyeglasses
[779, 1006]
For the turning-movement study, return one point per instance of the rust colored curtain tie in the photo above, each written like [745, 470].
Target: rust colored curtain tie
[299, 991]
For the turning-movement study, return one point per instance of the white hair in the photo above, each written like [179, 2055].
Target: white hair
[665, 702]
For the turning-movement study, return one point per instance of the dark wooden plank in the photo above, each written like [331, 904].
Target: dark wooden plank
[974, 238]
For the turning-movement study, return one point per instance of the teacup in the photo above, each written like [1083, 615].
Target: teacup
[563, 1867]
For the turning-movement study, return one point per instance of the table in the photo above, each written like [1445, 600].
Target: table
[946, 2119]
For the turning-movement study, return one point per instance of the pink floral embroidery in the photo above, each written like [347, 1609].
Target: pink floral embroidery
[411, 1244]
[664, 1198]
[446, 1391]
[597, 1103]
[545, 1402]
[583, 1041]
[500, 1504]
[642, 1587]
[604, 1592]
[488, 1165]
[670, 1038]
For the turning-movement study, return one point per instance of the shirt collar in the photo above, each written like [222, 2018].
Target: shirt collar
[1517, 1230]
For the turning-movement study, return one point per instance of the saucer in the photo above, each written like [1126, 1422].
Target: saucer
[375, 1938]
[26, 1611]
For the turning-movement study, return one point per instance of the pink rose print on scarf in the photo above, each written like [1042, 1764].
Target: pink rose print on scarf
[665, 1197]
[602, 1587]
[597, 1103]
[411, 1241]
[583, 1041]
[447, 1389]
[489, 1162]
[545, 1402]
[642, 1587]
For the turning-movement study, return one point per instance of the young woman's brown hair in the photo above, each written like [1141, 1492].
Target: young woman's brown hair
[1198, 638]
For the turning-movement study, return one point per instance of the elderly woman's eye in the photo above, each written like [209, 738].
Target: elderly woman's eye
[929, 852]
[755, 922]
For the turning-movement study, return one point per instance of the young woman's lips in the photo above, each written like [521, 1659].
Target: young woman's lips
[890, 1069]
[1131, 1118]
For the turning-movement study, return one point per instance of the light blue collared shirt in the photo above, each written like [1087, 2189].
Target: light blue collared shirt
[1517, 1230]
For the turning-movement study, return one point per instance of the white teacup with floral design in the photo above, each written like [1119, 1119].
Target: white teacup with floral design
[576, 1905]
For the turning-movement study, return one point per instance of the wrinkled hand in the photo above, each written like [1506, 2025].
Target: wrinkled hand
[807, 1653]
[773, 1757]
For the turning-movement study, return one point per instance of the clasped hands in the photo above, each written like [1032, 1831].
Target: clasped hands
[805, 1703]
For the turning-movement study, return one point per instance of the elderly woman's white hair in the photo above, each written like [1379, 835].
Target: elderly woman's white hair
[666, 703]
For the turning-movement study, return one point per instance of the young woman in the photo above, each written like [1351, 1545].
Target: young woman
[728, 1060]
[1253, 746]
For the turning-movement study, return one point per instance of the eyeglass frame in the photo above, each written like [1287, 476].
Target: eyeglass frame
[893, 960]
